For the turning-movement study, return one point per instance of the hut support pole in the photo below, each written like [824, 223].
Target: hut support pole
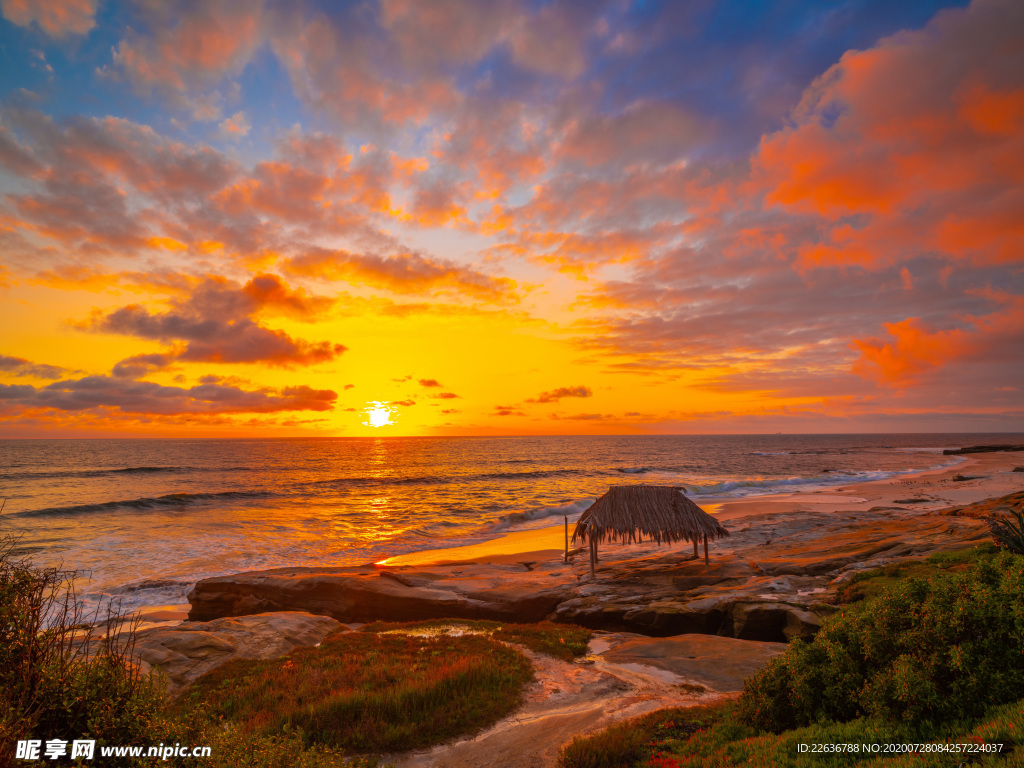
[593, 554]
[695, 555]
[566, 558]
[705, 551]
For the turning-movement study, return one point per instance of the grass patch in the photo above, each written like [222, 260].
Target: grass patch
[369, 692]
[562, 641]
[638, 741]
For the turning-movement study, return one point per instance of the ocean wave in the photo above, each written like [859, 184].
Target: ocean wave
[116, 472]
[152, 584]
[518, 518]
[453, 479]
[170, 500]
[761, 486]
[88, 473]
[529, 474]
[790, 453]
[635, 470]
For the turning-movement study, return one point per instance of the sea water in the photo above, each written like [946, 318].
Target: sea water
[141, 520]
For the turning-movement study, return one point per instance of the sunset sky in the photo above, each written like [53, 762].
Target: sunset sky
[455, 217]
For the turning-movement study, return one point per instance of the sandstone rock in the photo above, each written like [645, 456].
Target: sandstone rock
[718, 663]
[760, 621]
[641, 588]
[369, 594]
[696, 575]
[187, 651]
[801, 624]
[986, 508]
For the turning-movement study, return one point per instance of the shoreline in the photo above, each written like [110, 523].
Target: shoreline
[935, 484]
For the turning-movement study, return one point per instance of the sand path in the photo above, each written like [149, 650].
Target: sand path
[565, 700]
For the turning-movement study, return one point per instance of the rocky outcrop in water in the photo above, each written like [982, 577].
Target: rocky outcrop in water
[981, 449]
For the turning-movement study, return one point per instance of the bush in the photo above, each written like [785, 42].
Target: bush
[59, 680]
[942, 648]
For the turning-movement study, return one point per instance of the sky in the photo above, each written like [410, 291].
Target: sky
[510, 217]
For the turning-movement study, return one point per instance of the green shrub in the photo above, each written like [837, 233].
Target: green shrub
[59, 680]
[939, 649]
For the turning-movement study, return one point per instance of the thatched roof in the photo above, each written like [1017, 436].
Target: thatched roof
[660, 512]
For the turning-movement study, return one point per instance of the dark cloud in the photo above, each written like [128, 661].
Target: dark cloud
[17, 366]
[137, 366]
[507, 410]
[214, 324]
[101, 393]
[557, 394]
[430, 383]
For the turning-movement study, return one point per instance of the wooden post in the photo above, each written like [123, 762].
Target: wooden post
[695, 555]
[705, 551]
[593, 554]
[566, 558]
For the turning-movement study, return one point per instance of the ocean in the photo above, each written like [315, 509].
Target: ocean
[141, 520]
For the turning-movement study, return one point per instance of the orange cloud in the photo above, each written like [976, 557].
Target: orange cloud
[199, 47]
[57, 18]
[920, 137]
[915, 348]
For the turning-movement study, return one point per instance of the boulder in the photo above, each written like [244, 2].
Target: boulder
[185, 652]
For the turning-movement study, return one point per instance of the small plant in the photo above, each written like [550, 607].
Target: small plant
[1006, 533]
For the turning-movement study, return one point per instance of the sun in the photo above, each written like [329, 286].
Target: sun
[377, 414]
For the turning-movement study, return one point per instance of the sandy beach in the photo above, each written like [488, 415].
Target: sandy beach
[991, 475]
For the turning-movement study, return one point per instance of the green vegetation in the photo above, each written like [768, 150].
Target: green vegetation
[368, 692]
[874, 582]
[57, 679]
[929, 651]
[1009, 533]
[562, 641]
[639, 741]
[936, 649]
[709, 737]
[357, 693]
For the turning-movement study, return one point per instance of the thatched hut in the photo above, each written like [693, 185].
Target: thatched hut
[658, 512]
